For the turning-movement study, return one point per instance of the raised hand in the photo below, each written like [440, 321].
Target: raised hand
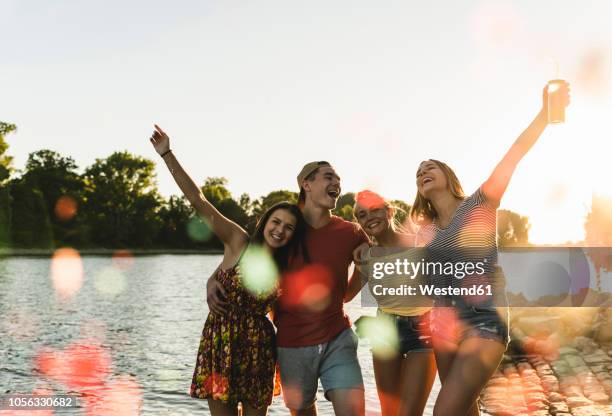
[160, 140]
[494, 187]
[561, 90]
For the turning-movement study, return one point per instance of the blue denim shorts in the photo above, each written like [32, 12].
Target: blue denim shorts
[456, 324]
[413, 332]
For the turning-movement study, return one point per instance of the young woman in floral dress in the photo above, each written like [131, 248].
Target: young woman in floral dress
[236, 357]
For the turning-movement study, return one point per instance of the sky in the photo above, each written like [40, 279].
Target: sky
[252, 90]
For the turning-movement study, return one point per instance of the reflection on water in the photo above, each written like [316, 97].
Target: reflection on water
[127, 337]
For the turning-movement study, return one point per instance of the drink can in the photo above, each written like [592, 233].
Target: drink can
[556, 106]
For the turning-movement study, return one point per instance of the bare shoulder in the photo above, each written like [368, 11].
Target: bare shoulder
[233, 251]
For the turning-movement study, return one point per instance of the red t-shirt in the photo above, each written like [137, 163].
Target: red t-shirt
[310, 308]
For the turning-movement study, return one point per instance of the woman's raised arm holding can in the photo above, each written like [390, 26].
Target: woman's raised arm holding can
[497, 183]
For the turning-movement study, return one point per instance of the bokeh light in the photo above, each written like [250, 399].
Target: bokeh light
[445, 328]
[593, 72]
[66, 272]
[109, 281]
[309, 287]
[65, 208]
[316, 297]
[120, 396]
[496, 24]
[369, 200]
[79, 365]
[556, 374]
[123, 259]
[382, 333]
[557, 194]
[198, 230]
[471, 235]
[258, 270]
[167, 378]
[542, 344]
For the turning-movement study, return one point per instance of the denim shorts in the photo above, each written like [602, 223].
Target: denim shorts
[456, 324]
[413, 332]
[334, 362]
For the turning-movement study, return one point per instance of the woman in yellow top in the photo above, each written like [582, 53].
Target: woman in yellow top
[404, 379]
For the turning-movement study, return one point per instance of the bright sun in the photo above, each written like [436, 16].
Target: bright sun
[555, 183]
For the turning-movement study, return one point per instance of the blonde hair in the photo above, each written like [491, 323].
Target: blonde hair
[422, 211]
[371, 199]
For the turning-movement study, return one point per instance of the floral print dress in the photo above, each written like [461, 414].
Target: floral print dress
[237, 354]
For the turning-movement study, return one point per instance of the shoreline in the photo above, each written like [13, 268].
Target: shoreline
[123, 252]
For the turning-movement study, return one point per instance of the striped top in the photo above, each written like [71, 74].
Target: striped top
[470, 237]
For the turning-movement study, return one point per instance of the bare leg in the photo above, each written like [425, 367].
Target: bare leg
[445, 355]
[418, 372]
[218, 408]
[386, 374]
[473, 364]
[349, 402]
[311, 411]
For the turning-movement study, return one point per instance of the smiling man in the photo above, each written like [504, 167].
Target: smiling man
[314, 337]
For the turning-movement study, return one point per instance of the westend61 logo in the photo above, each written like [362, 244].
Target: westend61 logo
[396, 271]
[521, 277]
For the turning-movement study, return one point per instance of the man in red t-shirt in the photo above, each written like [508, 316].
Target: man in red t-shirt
[315, 340]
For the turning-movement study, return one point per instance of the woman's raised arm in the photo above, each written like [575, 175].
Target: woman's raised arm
[230, 233]
[497, 183]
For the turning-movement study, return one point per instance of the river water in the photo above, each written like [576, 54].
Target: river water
[140, 319]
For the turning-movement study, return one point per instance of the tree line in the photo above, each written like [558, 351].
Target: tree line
[114, 203]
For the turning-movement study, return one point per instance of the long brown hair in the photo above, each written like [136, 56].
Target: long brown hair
[297, 243]
[423, 211]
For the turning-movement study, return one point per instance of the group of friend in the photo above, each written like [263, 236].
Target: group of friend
[240, 349]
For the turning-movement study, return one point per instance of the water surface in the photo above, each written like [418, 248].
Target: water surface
[148, 315]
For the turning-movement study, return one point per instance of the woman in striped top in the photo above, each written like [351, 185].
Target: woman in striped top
[469, 337]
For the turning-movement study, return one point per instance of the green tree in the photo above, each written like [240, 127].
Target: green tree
[220, 197]
[346, 212]
[175, 214]
[264, 203]
[215, 190]
[122, 201]
[344, 206]
[56, 177]
[512, 229]
[5, 197]
[5, 216]
[5, 160]
[30, 224]
[245, 203]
